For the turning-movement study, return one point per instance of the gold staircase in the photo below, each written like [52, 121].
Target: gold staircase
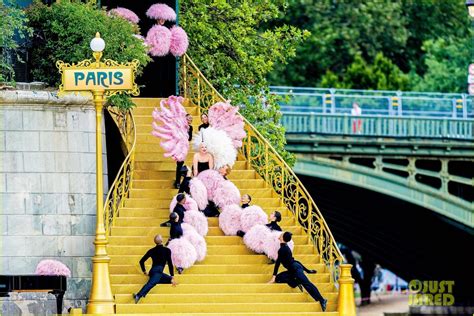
[231, 280]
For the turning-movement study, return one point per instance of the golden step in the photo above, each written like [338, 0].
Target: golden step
[144, 156]
[211, 250]
[162, 212]
[171, 174]
[223, 307]
[164, 203]
[153, 102]
[218, 259]
[246, 185]
[266, 269]
[170, 193]
[207, 288]
[123, 221]
[169, 164]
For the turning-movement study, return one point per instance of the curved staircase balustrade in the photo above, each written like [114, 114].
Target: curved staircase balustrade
[122, 184]
[270, 166]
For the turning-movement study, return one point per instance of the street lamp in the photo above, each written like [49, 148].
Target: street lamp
[101, 299]
[470, 7]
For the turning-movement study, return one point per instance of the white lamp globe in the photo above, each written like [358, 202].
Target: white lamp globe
[97, 44]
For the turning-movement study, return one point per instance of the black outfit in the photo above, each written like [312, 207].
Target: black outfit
[179, 209]
[176, 230]
[274, 226]
[160, 256]
[203, 166]
[203, 125]
[179, 164]
[294, 274]
[184, 186]
[245, 205]
[211, 210]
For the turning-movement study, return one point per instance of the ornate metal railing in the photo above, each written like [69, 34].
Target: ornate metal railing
[270, 166]
[378, 126]
[122, 184]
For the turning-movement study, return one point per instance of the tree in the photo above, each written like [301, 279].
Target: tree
[446, 63]
[235, 47]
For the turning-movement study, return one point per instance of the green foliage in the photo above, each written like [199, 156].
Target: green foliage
[446, 63]
[345, 34]
[14, 28]
[233, 44]
[382, 74]
[64, 30]
[121, 101]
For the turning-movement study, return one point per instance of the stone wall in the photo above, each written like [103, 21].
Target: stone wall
[47, 185]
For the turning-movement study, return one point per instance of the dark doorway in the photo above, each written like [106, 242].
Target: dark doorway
[159, 79]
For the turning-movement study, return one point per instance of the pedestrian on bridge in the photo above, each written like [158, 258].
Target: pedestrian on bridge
[294, 275]
[160, 256]
[356, 123]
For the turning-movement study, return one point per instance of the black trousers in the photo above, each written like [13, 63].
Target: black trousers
[156, 277]
[296, 276]
[179, 164]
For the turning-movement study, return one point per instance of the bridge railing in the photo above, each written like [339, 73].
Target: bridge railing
[378, 126]
[390, 103]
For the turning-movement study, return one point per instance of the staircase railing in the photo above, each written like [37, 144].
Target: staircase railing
[270, 166]
[122, 184]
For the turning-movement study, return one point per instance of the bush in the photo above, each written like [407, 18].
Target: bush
[13, 22]
[64, 30]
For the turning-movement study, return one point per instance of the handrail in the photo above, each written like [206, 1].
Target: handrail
[121, 186]
[378, 126]
[270, 166]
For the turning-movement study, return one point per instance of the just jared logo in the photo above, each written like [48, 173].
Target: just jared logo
[431, 293]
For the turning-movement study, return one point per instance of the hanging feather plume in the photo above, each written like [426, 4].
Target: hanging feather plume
[223, 116]
[218, 144]
[125, 13]
[158, 39]
[171, 126]
[161, 11]
[179, 41]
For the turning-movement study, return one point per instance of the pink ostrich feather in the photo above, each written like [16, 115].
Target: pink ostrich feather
[251, 216]
[226, 194]
[198, 220]
[52, 267]
[161, 11]
[196, 240]
[189, 205]
[179, 41]
[211, 180]
[224, 116]
[126, 14]
[183, 253]
[229, 219]
[198, 192]
[171, 127]
[255, 238]
[158, 39]
[272, 245]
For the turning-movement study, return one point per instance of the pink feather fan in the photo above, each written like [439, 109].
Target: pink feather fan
[183, 253]
[229, 219]
[198, 192]
[158, 39]
[251, 216]
[256, 237]
[198, 220]
[196, 240]
[226, 194]
[224, 116]
[125, 13]
[212, 180]
[272, 245]
[171, 127]
[52, 267]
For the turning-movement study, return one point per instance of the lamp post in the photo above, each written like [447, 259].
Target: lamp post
[470, 7]
[101, 300]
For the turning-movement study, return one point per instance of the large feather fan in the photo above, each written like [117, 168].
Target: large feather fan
[171, 127]
[219, 144]
[223, 116]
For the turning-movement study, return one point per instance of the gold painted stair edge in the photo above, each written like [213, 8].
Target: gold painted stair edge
[120, 188]
[270, 166]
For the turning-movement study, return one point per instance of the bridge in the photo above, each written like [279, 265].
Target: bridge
[394, 183]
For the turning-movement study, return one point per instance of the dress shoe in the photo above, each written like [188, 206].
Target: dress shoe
[324, 304]
[180, 270]
[300, 287]
[136, 298]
